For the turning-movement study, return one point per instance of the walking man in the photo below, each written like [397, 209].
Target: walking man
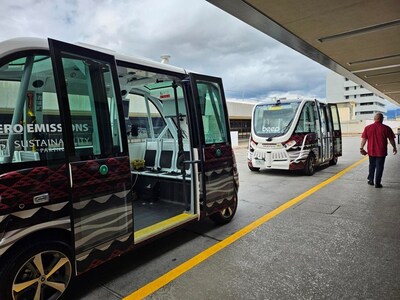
[376, 136]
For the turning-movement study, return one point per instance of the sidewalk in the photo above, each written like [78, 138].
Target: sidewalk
[341, 242]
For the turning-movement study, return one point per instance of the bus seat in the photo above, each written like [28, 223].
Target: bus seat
[168, 155]
[151, 154]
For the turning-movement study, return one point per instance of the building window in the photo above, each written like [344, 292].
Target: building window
[367, 95]
[243, 127]
[347, 97]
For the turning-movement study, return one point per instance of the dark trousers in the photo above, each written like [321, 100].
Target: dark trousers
[376, 164]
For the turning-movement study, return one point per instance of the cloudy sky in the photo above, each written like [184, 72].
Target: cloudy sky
[198, 36]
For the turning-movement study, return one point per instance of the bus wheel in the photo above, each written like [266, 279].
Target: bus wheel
[309, 168]
[39, 271]
[333, 161]
[252, 168]
[226, 215]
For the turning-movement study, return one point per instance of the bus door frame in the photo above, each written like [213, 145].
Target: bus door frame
[329, 127]
[103, 180]
[321, 135]
[337, 130]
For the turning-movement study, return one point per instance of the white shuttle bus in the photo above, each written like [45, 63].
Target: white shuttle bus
[294, 135]
[100, 153]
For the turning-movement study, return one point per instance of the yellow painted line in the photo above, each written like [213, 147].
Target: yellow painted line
[163, 280]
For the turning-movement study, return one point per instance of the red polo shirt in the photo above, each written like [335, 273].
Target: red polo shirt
[377, 135]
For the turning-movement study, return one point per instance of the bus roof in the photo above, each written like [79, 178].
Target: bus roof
[279, 101]
[285, 101]
[29, 43]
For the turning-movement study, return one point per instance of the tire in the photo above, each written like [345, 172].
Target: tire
[41, 270]
[252, 168]
[333, 161]
[309, 168]
[226, 215]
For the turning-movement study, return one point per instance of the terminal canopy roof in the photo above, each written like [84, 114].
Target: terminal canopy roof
[359, 39]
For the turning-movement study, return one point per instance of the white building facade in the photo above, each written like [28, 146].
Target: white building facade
[361, 103]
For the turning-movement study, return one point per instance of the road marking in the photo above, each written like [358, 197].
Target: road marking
[163, 280]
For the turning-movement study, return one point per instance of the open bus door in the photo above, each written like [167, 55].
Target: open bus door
[327, 117]
[217, 162]
[96, 154]
[322, 133]
[337, 132]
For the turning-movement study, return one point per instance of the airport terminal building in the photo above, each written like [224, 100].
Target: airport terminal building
[361, 102]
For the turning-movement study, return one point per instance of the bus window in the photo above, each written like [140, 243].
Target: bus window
[151, 101]
[306, 122]
[30, 126]
[139, 121]
[335, 118]
[324, 124]
[86, 110]
[145, 122]
[273, 120]
[212, 113]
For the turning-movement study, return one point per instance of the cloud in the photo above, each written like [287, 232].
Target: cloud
[197, 35]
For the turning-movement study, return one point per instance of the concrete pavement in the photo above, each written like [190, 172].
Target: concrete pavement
[340, 241]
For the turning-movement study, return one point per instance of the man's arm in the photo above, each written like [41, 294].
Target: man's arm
[392, 142]
[362, 151]
[363, 142]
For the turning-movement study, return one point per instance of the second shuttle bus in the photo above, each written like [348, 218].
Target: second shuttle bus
[294, 135]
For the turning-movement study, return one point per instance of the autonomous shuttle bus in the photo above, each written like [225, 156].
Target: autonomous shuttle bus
[294, 135]
[100, 152]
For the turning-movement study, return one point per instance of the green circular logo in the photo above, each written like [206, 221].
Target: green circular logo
[218, 152]
[103, 170]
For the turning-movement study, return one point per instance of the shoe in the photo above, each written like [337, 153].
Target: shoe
[370, 182]
[378, 186]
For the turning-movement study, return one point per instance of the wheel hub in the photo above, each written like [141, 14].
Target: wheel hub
[45, 274]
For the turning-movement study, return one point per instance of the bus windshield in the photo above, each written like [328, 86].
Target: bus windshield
[273, 120]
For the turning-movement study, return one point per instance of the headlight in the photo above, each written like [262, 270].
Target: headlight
[290, 144]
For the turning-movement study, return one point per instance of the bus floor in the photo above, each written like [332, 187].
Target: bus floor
[339, 239]
[150, 212]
